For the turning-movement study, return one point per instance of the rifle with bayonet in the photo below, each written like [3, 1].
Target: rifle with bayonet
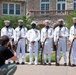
[56, 44]
[42, 52]
[55, 47]
[43, 45]
[69, 63]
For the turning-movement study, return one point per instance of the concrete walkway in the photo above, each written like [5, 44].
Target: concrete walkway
[45, 70]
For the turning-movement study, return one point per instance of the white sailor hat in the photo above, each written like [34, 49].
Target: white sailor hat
[20, 20]
[33, 22]
[6, 21]
[47, 21]
[74, 18]
[61, 20]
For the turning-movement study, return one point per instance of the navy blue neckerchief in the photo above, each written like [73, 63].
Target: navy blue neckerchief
[75, 25]
[21, 27]
[60, 26]
[8, 27]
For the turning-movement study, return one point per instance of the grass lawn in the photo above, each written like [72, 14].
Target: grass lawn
[39, 57]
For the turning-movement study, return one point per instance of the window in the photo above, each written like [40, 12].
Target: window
[44, 0]
[45, 5]
[11, 9]
[5, 8]
[58, 6]
[17, 9]
[61, 4]
[60, 0]
[74, 4]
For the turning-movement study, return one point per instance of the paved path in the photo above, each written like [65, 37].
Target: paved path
[45, 70]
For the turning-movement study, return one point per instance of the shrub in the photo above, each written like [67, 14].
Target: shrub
[39, 57]
[14, 21]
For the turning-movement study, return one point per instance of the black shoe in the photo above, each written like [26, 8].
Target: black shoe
[57, 64]
[73, 65]
[49, 64]
[44, 63]
[17, 63]
[65, 64]
[22, 63]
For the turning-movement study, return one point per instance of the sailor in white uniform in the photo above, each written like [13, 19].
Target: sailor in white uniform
[46, 41]
[72, 39]
[33, 36]
[60, 38]
[9, 31]
[19, 38]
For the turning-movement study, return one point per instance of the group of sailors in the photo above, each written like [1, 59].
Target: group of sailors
[46, 36]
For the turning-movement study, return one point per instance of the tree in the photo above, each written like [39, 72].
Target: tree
[69, 19]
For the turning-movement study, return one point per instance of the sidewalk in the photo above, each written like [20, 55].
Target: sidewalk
[45, 70]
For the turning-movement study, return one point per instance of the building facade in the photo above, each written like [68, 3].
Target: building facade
[36, 7]
[50, 7]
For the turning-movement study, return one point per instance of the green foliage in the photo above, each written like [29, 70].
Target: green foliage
[39, 57]
[69, 20]
[27, 58]
[14, 21]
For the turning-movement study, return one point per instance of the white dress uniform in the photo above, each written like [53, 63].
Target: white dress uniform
[48, 42]
[9, 32]
[61, 41]
[33, 35]
[21, 42]
[71, 38]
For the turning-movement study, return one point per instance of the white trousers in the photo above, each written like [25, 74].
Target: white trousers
[33, 48]
[61, 46]
[21, 46]
[47, 51]
[73, 54]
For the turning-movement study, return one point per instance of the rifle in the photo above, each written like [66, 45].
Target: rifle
[55, 47]
[41, 55]
[43, 46]
[42, 52]
[69, 63]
